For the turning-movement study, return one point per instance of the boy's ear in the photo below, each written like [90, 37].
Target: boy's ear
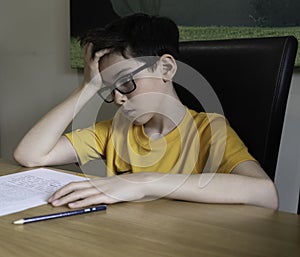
[168, 67]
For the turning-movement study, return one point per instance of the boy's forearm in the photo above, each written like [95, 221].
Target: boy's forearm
[214, 188]
[44, 135]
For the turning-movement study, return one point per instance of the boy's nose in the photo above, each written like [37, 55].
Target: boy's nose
[119, 98]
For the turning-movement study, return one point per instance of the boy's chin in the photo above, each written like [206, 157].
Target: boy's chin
[142, 120]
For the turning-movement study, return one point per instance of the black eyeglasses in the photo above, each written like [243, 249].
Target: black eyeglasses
[124, 85]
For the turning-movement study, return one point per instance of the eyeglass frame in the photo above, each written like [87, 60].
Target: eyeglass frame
[130, 75]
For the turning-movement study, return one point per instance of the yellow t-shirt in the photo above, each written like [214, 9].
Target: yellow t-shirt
[202, 142]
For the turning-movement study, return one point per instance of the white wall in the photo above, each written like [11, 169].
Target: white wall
[287, 177]
[35, 72]
[35, 75]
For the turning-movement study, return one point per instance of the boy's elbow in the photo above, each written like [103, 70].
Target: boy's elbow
[264, 194]
[25, 160]
[275, 200]
[271, 196]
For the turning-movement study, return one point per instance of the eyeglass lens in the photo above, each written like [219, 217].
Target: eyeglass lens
[124, 86]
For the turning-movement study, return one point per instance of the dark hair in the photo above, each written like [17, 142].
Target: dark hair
[136, 35]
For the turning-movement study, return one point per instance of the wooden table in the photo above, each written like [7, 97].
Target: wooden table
[156, 228]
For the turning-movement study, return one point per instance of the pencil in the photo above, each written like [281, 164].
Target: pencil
[59, 215]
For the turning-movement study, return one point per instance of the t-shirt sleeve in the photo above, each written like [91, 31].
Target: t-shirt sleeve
[226, 148]
[90, 143]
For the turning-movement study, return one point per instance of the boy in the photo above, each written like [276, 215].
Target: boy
[156, 146]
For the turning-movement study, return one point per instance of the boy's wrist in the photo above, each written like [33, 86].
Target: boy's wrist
[88, 90]
[151, 183]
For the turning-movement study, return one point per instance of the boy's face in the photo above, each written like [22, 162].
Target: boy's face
[145, 86]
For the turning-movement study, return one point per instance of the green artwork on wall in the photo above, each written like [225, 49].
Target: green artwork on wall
[196, 19]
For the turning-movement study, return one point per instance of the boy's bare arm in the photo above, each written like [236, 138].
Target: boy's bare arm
[44, 143]
[237, 188]
[247, 184]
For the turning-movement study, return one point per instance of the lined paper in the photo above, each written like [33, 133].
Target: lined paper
[27, 189]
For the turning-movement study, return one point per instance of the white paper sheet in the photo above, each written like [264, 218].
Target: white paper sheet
[27, 189]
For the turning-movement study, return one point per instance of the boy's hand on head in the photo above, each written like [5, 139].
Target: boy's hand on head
[92, 76]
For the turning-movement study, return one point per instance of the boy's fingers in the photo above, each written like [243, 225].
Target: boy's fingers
[68, 189]
[101, 53]
[87, 51]
[75, 196]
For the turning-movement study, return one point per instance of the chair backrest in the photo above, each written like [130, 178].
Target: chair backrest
[251, 78]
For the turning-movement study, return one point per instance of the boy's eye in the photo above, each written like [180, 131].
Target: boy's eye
[125, 87]
[122, 81]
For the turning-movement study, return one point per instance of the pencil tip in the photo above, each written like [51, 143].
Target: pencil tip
[18, 222]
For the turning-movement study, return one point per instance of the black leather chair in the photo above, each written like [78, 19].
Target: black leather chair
[251, 78]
